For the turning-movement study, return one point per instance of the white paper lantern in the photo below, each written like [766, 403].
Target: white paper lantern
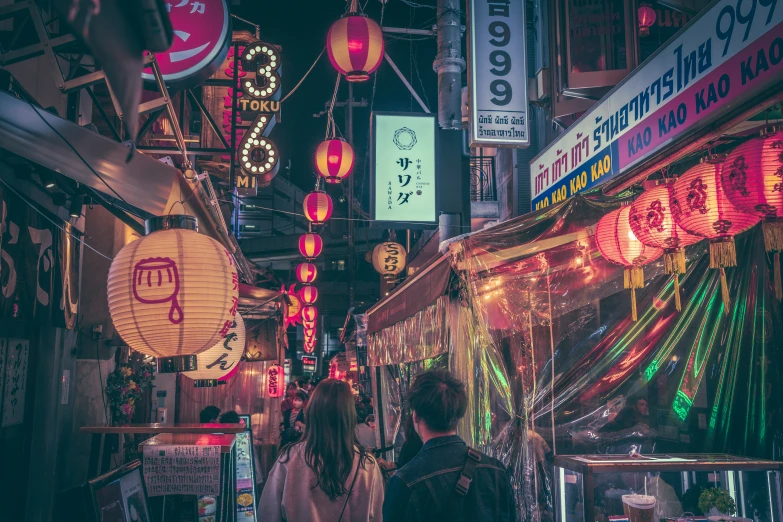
[222, 360]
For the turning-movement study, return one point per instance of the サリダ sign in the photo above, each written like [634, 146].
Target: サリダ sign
[730, 52]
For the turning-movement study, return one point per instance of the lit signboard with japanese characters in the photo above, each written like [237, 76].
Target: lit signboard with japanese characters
[404, 168]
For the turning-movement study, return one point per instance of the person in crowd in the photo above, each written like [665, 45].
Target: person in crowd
[365, 432]
[308, 387]
[411, 446]
[325, 477]
[290, 391]
[446, 480]
[209, 414]
[636, 413]
[229, 417]
[294, 419]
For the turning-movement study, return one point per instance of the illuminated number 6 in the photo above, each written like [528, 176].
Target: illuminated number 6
[258, 154]
[262, 62]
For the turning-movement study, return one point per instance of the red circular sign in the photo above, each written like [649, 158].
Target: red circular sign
[202, 36]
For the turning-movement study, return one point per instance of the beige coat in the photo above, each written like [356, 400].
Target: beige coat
[289, 495]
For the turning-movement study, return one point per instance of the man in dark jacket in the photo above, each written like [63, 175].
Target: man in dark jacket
[425, 489]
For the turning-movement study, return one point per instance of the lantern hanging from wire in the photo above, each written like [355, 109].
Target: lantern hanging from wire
[310, 313]
[647, 17]
[308, 295]
[308, 323]
[334, 160]
[317, 207]
[309, 346]
[310, 246]
[173, 291]
[311, 337]
[306, 273]
[309, 332]
[700, 207]
[619, 244]
[275, 381]
[752, 178]
[389, 259]
[652, 223]
[219, 363]
[355, 46]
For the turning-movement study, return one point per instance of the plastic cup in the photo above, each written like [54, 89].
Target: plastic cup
[639, 508]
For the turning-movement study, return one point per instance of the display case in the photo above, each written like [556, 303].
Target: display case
[591, 487]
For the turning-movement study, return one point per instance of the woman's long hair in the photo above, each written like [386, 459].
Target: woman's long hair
[330, 438]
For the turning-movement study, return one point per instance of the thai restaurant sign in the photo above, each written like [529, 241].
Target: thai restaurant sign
[497, 65]
[732, 51]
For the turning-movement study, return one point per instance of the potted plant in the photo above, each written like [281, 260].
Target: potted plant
[717, 501]
[125, 386]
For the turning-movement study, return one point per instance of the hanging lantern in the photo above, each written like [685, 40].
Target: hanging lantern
[647, 18]
[389, 259]
[294, 309]
[217, 364]
[752, 179]
[309, 313]
[355, 46]
[653, 224]
[308, 323]
[618, 244]
[310, 246]
[700, 206]
[173, 291]
[275, 381]
[334, 159]
[309, 332]
[308, 295]
[306, 273]
[317, 207]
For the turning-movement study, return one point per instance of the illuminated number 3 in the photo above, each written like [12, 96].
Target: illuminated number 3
[264, 60]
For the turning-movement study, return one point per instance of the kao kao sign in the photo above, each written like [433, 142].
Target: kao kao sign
[275, 385]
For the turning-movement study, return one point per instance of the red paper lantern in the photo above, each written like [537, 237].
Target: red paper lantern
[309, 332]
[309, 347]
[355, 46]
[309, 295]
[334, 159]
[317, 207]
[309, 313]
[653, 224]
[308, 323]
[700, 206]
[619, 244]
[752, 179]
[306, 273]
[647, 18]
[275, 381]
[310, 246]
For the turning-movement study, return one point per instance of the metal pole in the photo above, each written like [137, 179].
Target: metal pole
[351, 250]
[449, 64]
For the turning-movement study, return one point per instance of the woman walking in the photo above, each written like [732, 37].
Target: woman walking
[293, 419]
[325, 477]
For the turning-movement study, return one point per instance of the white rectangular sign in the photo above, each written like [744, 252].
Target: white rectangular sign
[729, 53]
[497, 64]
[182, 470]
[404, 168]
[15, 381]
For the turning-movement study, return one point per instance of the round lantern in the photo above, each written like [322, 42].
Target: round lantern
[647, 18]
[173, 291]
[309, 333]
[700, 206]
[334, 159]
[308, 323]
[752, 179]
[389, 259]
[317, 207]
[306, 273]
[619, 244]
[275, 381]
[309, 313]
[310, 246]
[309, 347]
[653, 224]
[218, 363]
[355, 46]
[309, 295]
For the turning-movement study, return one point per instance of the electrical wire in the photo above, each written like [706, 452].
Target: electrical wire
[303, 77]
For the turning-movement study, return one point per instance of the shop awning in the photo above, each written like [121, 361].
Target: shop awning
[417, 293]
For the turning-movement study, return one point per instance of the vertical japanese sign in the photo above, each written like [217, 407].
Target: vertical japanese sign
[404, 169]
[15, 381]
[497, 72]
[182, 470]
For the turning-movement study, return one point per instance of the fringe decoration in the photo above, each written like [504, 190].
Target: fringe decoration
[777, 278]
[677, 300]
[633, 305]
[633, 277]
[674, 261]
[723, 254]
[724, 288]
[773, 235]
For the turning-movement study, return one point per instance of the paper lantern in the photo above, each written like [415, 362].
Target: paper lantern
[306, 273]
[700, 206]
[310, 246]
[317, 207]
[309, 295]
[217, 364]
[309, 313]
[752, 178]
[355, 46]
[309, 347]
[334, 159]
[308, 323]
[309, 332]
[173, 291]
[619, 244]
[294, 309]
[647, 18]
[389, 259]
[275, 381]
[653, 224]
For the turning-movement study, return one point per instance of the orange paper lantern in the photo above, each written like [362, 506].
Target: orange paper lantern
[309, 295]
[309, 313]
[317, 207]
[355, 46]
[306, 273]
[275, 381]
[173, 291]
[334, 160]
[310, 246]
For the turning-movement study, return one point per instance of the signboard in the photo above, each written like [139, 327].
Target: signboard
[245, 478]
[497, 64]
[724, 57]
[202, 36]
[182, 470]
[404, 168]
[309, 362]
[18, 351]
[275, 381]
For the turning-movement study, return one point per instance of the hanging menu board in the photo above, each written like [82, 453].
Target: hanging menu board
[182, 470]
[245, 478]
[15, 381]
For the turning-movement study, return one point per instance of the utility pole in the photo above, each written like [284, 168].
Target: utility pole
[449, 64]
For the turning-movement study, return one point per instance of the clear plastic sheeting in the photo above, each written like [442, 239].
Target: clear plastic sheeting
[422, 336]
[540, 306]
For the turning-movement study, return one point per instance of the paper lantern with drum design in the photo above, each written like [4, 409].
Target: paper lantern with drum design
[306, 273]
[310, 314]
[355, 46]
[221, 361]
[310, 246]
[334, 160]
[308, 295]
[653, 224]
[389, 259]
[752, 178]
[294, 308]
[700, 207]
[619, 244]
[317, 207]
[173, 291]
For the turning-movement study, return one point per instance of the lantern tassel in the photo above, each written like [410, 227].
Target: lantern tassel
[677, 300]
[633, 305]
[724, 288]
[633, 277]
[773, 235]
[776, 277]
[723, 253]
[674, 261]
